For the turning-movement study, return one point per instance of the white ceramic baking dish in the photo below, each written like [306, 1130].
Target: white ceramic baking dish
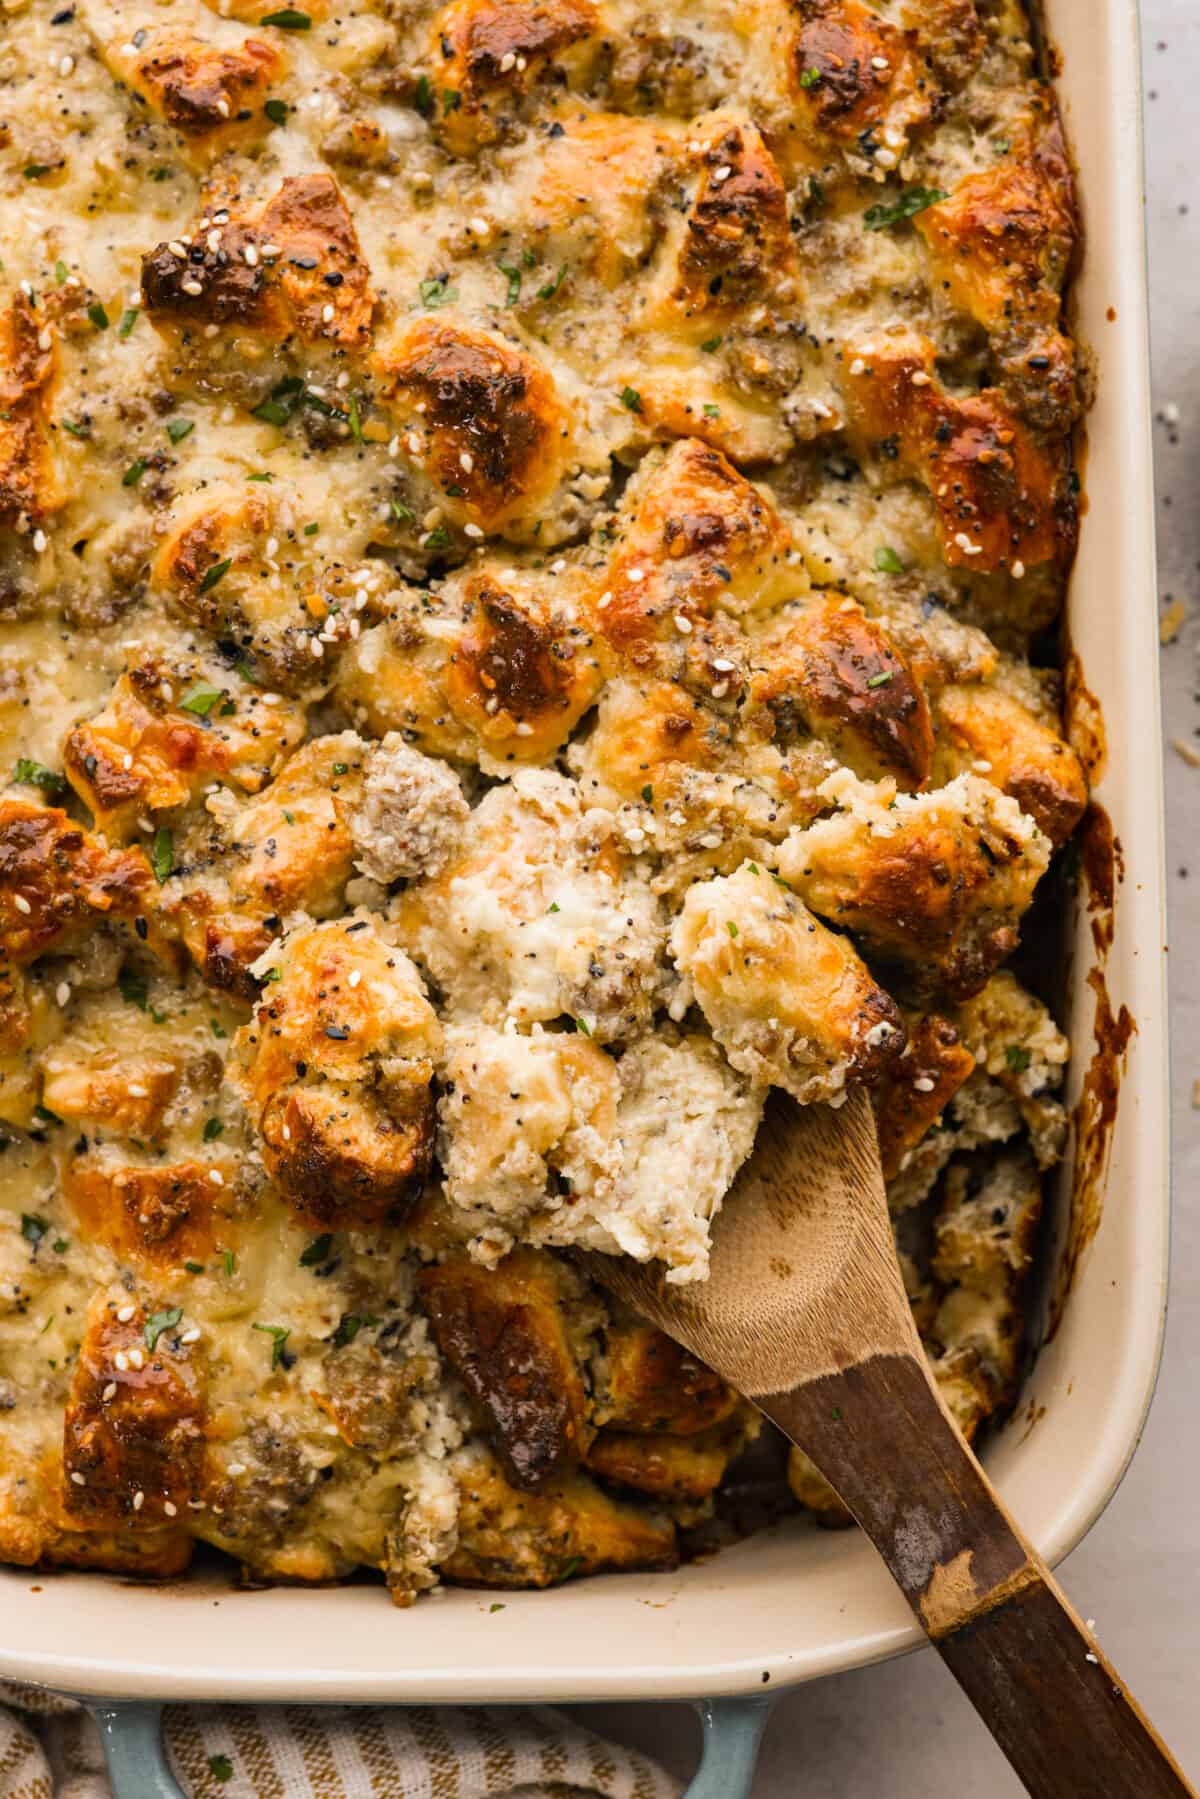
[794, 1602]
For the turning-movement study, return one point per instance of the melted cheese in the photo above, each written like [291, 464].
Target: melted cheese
[521, 527]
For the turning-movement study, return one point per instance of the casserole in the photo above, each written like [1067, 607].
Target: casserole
[791, 1604]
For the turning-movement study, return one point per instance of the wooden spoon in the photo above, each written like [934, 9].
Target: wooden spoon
[805, 1313]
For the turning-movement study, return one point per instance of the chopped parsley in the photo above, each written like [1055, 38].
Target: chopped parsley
[194, 1267]
[133, 987]
[220, 1766]
[582, 1025]
[134, 472]
[61, 1246]
[36, 774]
[911, 201]
[648, 794]
[279, 1335]
[568, 1570]
[217, 1028]
[437, 291]
[178, 429]
[212, 1129]
[260, 475]
[317, 1251]
[34, 171]
[288, 18]
[349, 1325]
[44, 1115]
[496, 1606]
[1017, 1057]
[451, 99]
[809, 77]
[710, 344]
[77, 428]
[551, 287]
[731, 927]
[158, 1322]
[887, 561]
[98, 316]
[881, 680]
[216, 573]
[356, 430]
[33, 1226]
[553, 907]
[423, 96]
[514, 282]
[229, 1263]
[711, 411]
[284, 398]
[403, 515]
[341, 768]
[276, 111]
[201, 698]
[438, 538]
[631, 399]
[129, 319]
[162, 854]
[60, 272]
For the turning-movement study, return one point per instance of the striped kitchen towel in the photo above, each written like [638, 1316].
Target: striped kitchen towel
[50, 1749]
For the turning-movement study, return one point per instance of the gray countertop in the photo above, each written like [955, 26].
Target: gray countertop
[902, 1731]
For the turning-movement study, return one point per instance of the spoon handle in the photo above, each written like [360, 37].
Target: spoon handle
[1065, 1719]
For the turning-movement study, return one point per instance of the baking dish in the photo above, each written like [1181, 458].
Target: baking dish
[790, 1603]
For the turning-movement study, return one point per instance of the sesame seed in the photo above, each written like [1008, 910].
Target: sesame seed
[39, 541]
[66, 65]
[604, 600]
[521, 64]
[121, 1361]
[177, 249]
[723, 173]
[79, 1479]
[723, 665]
[1018, 569]
[683, 624]
[223, 107]
[479, 226]
[857, 366]
[62, 993]
[192, 287]
[508, 61]
[137, 1360]
[216, 1177]
[236, 1468]
[886, 159]
[110, 1392]
[720, 690]
[524, 730]
[21, 903]
[414, 443]
[44, 340]
[316, 648]
[126, 1314]
[139, 1500]
[466, 461]
[270, 250]
[354, 977]
[191, 1336]
[880, 62]
[250, 256]
[920, 378]
[471, 530]
[327, 314]
[136, 1091]
[635, 574]
[923, 1084]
